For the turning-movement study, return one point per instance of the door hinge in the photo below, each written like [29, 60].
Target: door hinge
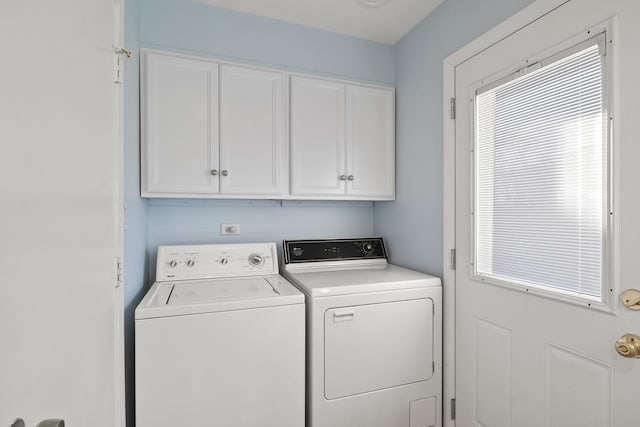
[453, 409]
[453, 259]
[452, 110]
[117, 76]
[119, 54]
[119, 272]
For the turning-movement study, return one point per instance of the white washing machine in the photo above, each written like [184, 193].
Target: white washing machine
[374, 340]
[220, 340]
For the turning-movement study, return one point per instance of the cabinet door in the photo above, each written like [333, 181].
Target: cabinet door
[370, 141]
[252, 144]
[317, 137]
[180, 129]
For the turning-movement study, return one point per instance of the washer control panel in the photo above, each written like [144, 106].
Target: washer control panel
[214, 261]
[298, 251]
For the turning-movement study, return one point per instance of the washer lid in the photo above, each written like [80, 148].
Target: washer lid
[166, 299]
[318, 281]
[199, 292]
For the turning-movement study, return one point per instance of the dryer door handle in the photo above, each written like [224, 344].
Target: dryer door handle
[344, 315]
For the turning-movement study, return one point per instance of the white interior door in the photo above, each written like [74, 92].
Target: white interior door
[60, 177]
[526, 358]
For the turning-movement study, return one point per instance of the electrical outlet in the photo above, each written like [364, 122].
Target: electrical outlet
[229, 229]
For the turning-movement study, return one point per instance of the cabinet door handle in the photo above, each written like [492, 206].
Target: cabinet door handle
[214, 172]
[225, 172]
[343, 177]
[351, 178]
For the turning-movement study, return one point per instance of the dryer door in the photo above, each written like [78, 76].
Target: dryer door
[377, 346]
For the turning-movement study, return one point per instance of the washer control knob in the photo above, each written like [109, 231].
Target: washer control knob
[256, 259]
[173, 263]
[191, 263]
[224, 261]
[367, 248]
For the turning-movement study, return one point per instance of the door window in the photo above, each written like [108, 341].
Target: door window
[541, 175]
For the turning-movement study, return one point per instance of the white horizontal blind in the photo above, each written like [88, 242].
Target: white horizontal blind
[541, 186]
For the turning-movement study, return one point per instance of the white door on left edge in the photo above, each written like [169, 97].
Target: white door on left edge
[60, 183]
[543, 248]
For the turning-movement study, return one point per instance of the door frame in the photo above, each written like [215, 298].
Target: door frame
[531, 13]
[120, 412]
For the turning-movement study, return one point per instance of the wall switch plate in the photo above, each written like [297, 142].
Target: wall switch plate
[229, 229]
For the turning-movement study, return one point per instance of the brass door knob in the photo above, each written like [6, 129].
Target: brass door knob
[628, 346]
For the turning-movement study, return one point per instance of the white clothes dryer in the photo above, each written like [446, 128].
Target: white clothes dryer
[374, 335]
[220, 340]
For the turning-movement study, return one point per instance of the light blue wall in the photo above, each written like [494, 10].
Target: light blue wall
[196, 221]
[187, 26]
[413, 223]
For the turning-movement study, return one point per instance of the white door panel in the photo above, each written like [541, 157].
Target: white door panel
[60, 180]
[524, 360]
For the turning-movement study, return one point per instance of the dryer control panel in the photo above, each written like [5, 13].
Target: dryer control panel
[299, 251]
[214, 261]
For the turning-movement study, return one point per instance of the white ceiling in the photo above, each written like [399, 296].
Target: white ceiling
[386, 24]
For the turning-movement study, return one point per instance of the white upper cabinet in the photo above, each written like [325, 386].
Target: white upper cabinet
[252, 151]
[180, 131]
[212, 130]
[342, 140]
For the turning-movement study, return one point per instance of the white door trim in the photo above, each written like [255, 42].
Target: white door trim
[521, 19]
[120, 217]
